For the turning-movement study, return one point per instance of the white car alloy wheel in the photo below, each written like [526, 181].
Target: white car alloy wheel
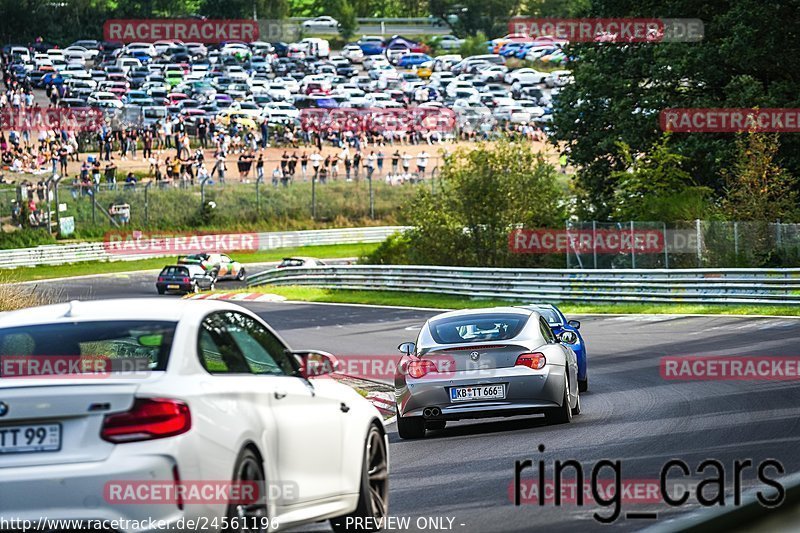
[373, 497]
[252, 516]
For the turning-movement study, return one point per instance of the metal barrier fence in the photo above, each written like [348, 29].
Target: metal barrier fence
[710, 244]
[98, 251]
[707, 286]
[177, 205]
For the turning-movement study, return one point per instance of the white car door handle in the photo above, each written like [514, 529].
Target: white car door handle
[279, 394]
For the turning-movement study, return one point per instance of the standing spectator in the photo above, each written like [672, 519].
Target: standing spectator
[107, 146]
[96, 173]
[380, 162]
[219, 167]
[111, 175]
[347, 164]
[406, 162]
[260, 168]
[292, 165]
[202, 132]
[241, 165]
[335, 166]
[264, 134]
[370, 165]
[356, 164]
[284, 162]
[304, 165]
[316, 159]
[84, 172]
[147, 145]
[395, 161]
[327, 164]
[63, 154]
[422, 162]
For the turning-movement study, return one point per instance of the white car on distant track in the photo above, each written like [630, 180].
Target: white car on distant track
[321, 22]
[197, 395]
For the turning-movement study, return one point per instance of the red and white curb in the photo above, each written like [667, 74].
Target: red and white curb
[238, 297]
[384, 401]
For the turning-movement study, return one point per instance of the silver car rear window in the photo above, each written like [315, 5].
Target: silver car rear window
[477, 328]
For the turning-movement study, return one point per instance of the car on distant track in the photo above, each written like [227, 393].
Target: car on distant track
[300, 262]
[220, 265]
[479, 363]
[185, 279]
[559, 324]
[202, 395]
[323, 22]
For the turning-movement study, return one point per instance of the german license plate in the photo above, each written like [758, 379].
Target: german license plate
[30, 438]
[478, 392]
[176, 287]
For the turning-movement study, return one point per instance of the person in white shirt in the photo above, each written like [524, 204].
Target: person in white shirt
[422, 162]
[370, 165]
[406, 162]
[316, 159]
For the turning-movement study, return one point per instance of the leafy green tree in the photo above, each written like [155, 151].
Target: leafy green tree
[344, 12]
[474, 45]
[489, 16]
[757, 188]
[620, 90]
[655, 187]
[227, 9]
[556, 8]
[484, 194]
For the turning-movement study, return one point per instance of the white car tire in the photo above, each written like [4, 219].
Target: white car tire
[373, 496]
[248, 468]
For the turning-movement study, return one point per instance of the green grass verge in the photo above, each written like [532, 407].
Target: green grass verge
[436, 301]
[333, 251]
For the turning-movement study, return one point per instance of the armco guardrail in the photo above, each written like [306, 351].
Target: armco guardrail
[725, 286]
[58, 254]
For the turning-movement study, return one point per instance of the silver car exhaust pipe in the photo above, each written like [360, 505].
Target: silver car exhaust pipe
[430, 412]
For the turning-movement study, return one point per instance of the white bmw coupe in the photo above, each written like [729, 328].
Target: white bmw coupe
[187, 414]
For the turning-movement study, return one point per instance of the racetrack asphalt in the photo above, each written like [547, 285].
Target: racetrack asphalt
[630, 413]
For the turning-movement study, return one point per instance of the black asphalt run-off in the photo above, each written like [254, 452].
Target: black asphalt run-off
[630, 413]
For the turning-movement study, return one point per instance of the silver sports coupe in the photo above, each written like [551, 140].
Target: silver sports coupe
[482, 363]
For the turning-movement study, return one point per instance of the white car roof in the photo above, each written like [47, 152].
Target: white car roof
[115, 309]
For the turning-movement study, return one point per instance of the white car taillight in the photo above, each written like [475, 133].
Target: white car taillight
[148, 419]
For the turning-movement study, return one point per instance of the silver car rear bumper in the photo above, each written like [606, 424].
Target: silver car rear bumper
[527, 392]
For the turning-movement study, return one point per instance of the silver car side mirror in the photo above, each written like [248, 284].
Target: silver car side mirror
[407, 348]
[568, 337]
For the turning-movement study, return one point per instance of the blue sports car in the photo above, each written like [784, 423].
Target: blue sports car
[559, 324]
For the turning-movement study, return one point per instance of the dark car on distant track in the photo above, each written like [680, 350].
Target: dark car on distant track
[184, 279]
